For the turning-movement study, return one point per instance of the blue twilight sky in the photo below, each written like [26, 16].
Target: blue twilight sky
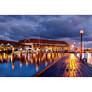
[65, 27]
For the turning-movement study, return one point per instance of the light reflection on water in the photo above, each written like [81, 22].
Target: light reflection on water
[25, 64]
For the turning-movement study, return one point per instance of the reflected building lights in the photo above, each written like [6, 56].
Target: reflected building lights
[46, 63]
[37, 67]
[26, 63]
[21, 64]
[13, 66]
[31, 60]
[28, 57]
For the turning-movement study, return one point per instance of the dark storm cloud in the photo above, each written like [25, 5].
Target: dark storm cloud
[59, 29]
[14, 27]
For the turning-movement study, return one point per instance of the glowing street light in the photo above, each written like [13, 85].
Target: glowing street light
[81, 32]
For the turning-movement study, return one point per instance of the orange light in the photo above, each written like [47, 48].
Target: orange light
[81, 31]
[72, 46]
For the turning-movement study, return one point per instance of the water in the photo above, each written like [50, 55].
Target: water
[25, 64]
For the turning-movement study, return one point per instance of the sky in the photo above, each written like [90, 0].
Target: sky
[52, 27]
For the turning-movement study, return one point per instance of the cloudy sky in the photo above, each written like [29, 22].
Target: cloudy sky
[65, 27]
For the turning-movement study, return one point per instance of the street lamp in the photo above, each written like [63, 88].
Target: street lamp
[81, 32]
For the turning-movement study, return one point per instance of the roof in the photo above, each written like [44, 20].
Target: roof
[8, 42]
[43, 41]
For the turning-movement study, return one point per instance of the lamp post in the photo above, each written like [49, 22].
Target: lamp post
[81, 32]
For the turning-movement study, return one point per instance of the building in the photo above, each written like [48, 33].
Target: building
[45, 44]
[9, 43]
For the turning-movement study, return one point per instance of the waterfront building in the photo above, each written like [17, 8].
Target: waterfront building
[45, 44]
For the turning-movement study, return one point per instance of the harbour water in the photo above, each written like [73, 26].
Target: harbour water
[25, 64]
